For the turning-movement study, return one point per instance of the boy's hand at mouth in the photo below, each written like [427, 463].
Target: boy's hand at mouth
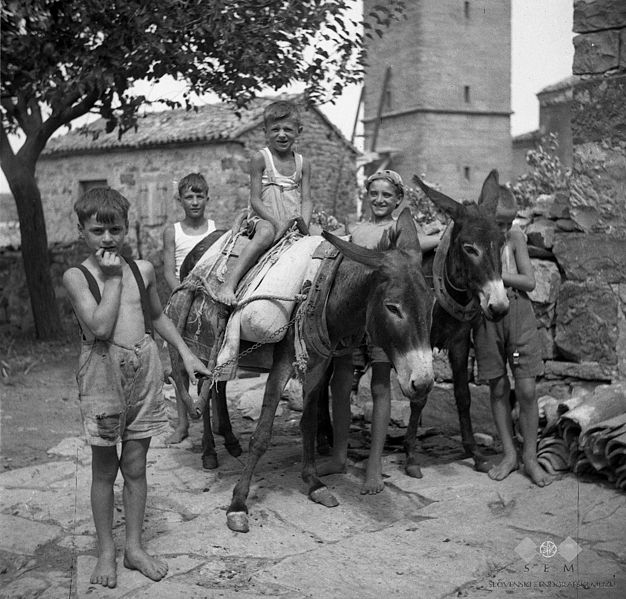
[109, 261]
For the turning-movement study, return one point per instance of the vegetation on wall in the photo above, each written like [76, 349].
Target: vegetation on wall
[546, 173]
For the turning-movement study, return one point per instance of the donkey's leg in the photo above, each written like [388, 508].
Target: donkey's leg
[411, 442]
[209, 455]
[315, 378]
[181, 382]
[458, 356]
[237, 514]
[324, 425]
[230, 441]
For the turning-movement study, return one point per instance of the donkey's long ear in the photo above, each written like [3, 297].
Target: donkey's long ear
[490, 193]
[365, 256]
[407, 238]
[455, 210]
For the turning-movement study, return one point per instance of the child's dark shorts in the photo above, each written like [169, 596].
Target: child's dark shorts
[369, 353]
[120, 391]
[496, 342]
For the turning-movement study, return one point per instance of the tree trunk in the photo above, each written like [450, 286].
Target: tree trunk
[35, 256]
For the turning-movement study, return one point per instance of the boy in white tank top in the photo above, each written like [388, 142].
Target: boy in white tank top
[279, 192]
[178, 240]
[181, 237]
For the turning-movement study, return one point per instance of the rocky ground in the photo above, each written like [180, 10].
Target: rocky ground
[454, 533]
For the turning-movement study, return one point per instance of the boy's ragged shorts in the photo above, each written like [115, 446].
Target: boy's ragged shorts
[121, 392]
[369, 353]
[495, 342]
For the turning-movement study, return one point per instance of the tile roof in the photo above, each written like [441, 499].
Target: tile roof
[208, 123]
[563, 84]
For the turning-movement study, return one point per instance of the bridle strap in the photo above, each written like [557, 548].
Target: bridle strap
[461, 312]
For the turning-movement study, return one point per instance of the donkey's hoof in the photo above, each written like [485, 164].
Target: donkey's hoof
[209, 462]
[413, 470]
[233, 448]
[237, 521]
[324, 496]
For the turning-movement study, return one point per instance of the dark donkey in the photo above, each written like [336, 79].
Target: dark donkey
[379, 291]
[466, 274]
[216, 395]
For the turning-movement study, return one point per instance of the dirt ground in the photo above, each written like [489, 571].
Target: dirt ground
[38, 399]
[39, 405]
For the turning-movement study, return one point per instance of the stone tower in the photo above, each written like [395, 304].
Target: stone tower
[437, 97]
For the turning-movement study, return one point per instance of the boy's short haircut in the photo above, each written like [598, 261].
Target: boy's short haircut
[106, 203]
[281, 109]
[194, 181]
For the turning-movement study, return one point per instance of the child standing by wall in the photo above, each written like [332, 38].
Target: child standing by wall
[178, 240]
[385, 191]
[513, 340]
[277, 200]
[120, 377]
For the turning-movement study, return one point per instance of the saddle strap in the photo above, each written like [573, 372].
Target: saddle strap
[314, 327]
[461, 312]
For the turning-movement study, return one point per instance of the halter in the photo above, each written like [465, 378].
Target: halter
[461, 312]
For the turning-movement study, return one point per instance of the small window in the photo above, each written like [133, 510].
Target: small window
[466, 8]
[85, 186]
[466, 172]
[466, 93]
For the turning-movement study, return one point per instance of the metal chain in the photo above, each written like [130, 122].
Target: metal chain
[218, 369]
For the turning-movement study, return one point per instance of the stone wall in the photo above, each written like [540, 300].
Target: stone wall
[578, 298]
[590, 318]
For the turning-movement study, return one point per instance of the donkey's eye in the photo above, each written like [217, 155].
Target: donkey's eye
[393, 308]
[470, 249]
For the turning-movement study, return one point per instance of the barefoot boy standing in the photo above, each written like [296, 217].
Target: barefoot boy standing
[513, 341]
[178, 240]
[119, 376]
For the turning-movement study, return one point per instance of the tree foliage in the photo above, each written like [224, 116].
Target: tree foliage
[62, 59]
[78, 55]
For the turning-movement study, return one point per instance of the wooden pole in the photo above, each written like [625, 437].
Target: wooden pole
[379, 112]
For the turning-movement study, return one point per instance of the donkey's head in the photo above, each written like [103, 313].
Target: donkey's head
[399, 303]
[474, 257]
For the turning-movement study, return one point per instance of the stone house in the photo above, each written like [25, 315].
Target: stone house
[145, 165]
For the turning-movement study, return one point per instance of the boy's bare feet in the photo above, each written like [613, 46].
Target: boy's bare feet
[138, 559]
[536, 473]
[372, 485]
[179, 434]
[105, 572]
[502, 469]
[331, 466]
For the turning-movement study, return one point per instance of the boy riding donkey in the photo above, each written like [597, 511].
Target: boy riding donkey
[277, 200]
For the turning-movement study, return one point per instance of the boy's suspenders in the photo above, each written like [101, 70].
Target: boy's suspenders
[143, 294]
